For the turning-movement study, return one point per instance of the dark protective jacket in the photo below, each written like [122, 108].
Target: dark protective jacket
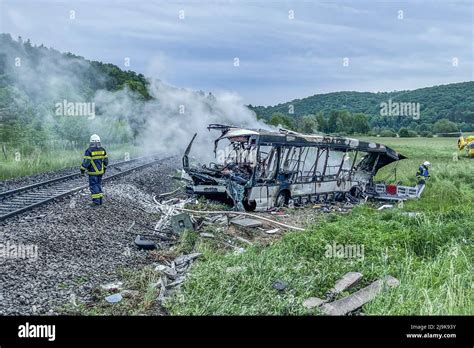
[422, 172]
[95, 161]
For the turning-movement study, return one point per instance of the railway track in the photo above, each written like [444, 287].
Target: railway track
[14, 202]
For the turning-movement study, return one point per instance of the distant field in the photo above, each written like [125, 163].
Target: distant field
[438, 151]
[24, 162]
[431, 254]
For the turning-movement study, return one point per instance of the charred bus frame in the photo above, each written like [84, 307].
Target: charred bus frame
[266, 169]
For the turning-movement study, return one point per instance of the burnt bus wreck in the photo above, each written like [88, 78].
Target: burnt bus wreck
[260, 169]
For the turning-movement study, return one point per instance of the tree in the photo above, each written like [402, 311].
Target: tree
[138, 87]
[424, 127]
[340, 126]
[360, 123]
[321, 122]
[332, 121]
[278, 119]
[307, 124]
[339, 121]
[345, 125]
[445, 126]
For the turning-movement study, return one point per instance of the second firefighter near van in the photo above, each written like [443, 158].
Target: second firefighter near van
[423, 174]
[95, 163]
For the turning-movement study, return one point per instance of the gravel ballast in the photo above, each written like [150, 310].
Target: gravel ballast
[78, 247]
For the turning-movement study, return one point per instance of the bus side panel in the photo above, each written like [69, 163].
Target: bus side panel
[310, 188]
[264, 196]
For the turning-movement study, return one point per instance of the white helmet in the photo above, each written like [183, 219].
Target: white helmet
[426, 163]
[95, 138]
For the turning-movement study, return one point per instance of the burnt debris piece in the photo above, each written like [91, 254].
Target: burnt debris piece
[347, 281]
[181, 222]
[144, 243]
[351, 302]
[279, 285]
[261, 169]
[246, 222]
[359, 298]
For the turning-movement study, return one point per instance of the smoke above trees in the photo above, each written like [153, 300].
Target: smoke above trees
[48, 97]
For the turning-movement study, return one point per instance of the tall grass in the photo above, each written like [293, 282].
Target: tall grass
[429, 255]
[25, 161]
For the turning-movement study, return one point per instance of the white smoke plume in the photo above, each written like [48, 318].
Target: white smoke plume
[176, 114]
[165, 124]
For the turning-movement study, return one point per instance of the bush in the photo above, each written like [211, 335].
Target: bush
[407, 133]
[387, 133]
[424, 127]
[426, 134]
[446, 128]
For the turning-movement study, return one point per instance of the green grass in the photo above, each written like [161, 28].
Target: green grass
[37, 160]
[431, 254]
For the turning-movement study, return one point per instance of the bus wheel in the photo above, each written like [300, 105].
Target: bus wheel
[355, 192]
[249, 205]
[282, 199]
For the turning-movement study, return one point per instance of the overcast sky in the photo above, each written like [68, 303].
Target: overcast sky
[285, 49]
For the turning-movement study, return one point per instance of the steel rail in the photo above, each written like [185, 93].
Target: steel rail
[39, 201]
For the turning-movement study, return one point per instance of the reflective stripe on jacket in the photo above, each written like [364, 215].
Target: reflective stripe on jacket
[95, 161]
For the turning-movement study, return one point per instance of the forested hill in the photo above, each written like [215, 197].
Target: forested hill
[51, 100]
[454, 102]
[35, 79]
[18, 57]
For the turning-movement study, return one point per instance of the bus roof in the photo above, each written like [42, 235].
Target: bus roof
[291, 138]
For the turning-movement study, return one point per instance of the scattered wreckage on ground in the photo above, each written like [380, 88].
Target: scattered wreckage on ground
[263, 169]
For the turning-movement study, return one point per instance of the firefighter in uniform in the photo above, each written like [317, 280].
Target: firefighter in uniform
[95, 163]
[423, 174]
